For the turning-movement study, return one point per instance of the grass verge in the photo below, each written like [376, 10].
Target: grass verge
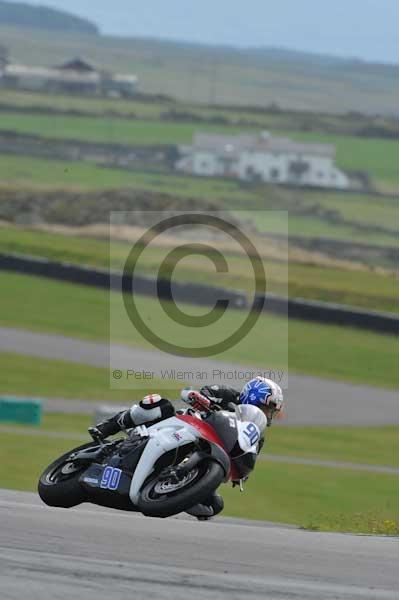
[319, 499]
[363, 445]
[30, 376]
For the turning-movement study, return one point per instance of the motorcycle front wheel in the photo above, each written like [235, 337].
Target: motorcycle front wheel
[164, 496]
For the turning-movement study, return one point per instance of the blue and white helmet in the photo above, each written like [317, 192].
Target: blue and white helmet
[262, 392]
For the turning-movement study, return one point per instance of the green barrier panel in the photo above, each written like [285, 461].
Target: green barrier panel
[20, 410]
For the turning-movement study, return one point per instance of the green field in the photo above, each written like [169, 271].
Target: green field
[367, 210]
[92, 106]
[365, 219]
[327, 351]
[74, 424]
[375, 156]
[27, 172]
[310, 220]
[30, 376]
[105, 129]
[165, 109]
[354, 287]
[364, 445]
[28, 456]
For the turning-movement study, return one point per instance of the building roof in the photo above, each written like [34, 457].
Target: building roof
[77, 64]
[234, 145]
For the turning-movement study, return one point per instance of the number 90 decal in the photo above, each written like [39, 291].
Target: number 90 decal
[110, 479]
[252, 433]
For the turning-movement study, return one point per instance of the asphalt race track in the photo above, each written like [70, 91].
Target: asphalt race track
[310, 401]
[92, 553]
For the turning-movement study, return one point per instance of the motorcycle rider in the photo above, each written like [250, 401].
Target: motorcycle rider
[261, 392]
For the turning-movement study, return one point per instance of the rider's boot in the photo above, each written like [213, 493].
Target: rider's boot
[115, 424]
[151, 410]
[211, 507]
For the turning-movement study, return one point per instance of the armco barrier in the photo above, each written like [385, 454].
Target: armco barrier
[20, 410]
[191, 293]
[329, 313]
[320, 312]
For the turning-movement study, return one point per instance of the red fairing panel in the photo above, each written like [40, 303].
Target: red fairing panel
[208, 433]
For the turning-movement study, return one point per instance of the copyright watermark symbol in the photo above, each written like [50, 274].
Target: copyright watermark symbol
[164, 281]
[190, 294]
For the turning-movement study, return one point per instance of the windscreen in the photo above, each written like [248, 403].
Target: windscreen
[248, 412]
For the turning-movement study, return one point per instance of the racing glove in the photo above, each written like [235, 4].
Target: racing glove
[196, 400]
[226, 397]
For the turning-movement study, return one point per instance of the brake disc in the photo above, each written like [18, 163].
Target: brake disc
[168, 485]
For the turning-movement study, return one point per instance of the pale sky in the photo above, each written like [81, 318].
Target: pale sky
[365, 29]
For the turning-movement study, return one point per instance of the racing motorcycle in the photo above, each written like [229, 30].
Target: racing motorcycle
[163, 469]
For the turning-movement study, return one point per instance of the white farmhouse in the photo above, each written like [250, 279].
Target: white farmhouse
[262, 157]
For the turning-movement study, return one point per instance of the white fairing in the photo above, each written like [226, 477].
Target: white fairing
[164, 436]
[173, 433]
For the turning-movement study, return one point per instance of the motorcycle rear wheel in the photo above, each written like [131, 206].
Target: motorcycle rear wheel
[198, 487]
[59, 483]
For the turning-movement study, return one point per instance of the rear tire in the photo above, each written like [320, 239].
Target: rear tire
[62, 489]
[209, 478]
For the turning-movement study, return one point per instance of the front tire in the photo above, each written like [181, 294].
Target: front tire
[154, 502]
[59, 483]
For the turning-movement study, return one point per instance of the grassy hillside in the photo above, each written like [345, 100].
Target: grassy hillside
[19, 14]
[271, 117]
[219, 75]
